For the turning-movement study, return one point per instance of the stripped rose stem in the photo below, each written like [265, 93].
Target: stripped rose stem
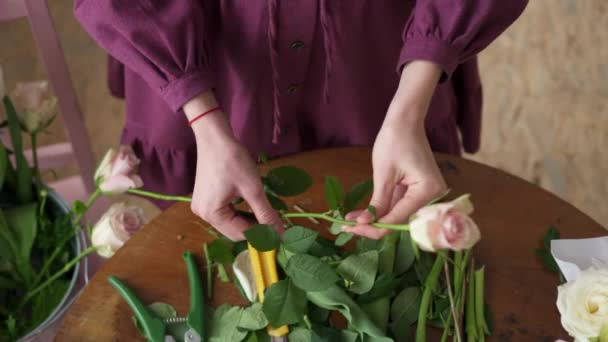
[299, 209]
[452, 303]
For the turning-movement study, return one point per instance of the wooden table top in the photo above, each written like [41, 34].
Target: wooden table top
[512, 214]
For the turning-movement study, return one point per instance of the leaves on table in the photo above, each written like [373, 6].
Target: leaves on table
[225, 324]
[343, 238]
[253, 318]
[299, 239]
[275, 202]
[310, 273]
[220, 251]
[262, 237]
[360, 271]
[287, 180]
[334, 192]
[357, 193]
[284, 303]
[406, 305]
[322, 247]
[544, 252]
[299, 335]
[405, 253]
[335, 298]
[384, 286]
[159, 309]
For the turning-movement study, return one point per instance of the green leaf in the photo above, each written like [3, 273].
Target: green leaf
[406, 305]
[299, 239]
[310, 273]
[343, 238]
[7, 283]
[288, 180]
[24, 173]
[335, 298]
[357, 194]
[490, 318]
[276, 203]
[9, 249]
[322, 333]
[299, 335]
[401, 332]
[253, 318]
[547, 259]
[423, 266]
[552, 234]
[372, 210]
[335, 228]
[78, 207]
[238, 247]
[317, 314]
[360, 269]
[365, 244]
[23, 221]
[384, 286]
[322, 247]
[224, 324]
[405, 253]
[351, 336]
[220, 251]
[334, 192]
[262, 237]
[11, 326]
[4, 164]
[284, 303]
[378, 311]
[283, 256]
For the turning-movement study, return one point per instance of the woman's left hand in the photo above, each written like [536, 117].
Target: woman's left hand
[406, 176]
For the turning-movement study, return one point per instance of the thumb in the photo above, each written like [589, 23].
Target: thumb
[262, 209]
[381, 199]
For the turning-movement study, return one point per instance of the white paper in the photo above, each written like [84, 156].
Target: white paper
[575, 255]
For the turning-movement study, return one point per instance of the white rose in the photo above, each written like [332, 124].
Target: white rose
[115, 227]
[583, 304]
[36, 107]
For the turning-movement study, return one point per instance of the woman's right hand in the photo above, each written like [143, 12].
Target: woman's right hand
[224, 172]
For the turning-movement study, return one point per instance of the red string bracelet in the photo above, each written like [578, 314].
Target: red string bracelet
[203, 114]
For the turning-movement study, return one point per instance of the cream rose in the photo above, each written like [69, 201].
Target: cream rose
[117, 171]
[115, 227]
[583, 304]
[445, 226]
[36, 107]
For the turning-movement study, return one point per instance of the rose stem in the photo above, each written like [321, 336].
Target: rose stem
[299, 209]
[54, 277]
[208, 266]
[429, 286]
[59, 248]
[446, 270]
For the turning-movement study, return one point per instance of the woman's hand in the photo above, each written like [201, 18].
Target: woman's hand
[224, 171]
[406, 176]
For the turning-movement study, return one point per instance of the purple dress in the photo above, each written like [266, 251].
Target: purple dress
[291, 75]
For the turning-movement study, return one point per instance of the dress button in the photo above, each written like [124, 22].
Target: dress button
[297, 45]
[293, 88]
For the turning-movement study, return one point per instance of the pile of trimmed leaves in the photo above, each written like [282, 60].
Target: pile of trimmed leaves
[368, 290]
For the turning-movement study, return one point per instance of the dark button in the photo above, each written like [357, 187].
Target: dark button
[297, 45]
[292, 88]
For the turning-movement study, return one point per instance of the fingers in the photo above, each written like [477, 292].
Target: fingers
[264, 212]
[367, 231]
[416, 197]
[226, 221]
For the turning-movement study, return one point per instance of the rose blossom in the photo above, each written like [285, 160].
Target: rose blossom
[445, 226]
[36, 107]
[117, 171]
[115, 227]
[583, 304]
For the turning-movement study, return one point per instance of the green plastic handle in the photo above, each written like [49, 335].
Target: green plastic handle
[196, 315]
[154, 328]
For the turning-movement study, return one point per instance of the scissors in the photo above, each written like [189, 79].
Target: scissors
[188, 329]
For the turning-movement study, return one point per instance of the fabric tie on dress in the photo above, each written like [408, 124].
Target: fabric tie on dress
[325, 19]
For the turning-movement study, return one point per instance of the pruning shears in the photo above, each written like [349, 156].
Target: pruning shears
[264, 268]
[189, 329]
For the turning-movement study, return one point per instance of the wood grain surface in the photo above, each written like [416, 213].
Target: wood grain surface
[512, 214]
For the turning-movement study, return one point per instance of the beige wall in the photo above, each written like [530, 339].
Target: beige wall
[546, 92]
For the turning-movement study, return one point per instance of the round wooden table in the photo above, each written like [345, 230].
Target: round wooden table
[512, 214]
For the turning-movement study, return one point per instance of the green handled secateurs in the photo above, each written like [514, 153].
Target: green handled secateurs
[189, 329]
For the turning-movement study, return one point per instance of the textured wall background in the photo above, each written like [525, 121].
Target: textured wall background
[546, 91]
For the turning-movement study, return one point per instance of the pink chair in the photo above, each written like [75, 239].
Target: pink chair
[78, 148]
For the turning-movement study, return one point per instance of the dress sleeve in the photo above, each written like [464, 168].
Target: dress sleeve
[448, 32]
[162, 41]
